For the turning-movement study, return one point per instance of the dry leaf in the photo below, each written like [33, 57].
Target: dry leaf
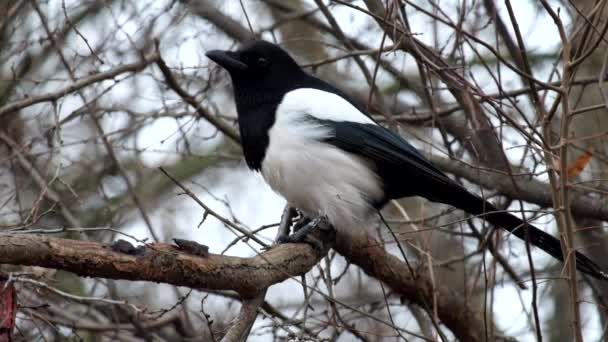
[576, 167]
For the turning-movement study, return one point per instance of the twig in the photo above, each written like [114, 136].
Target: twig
[86, 41]
[189, 99]
[562, 188]
[522, 59]
[83, 82]
[205, 9]
[212, 212]
[82, 324]
[530, 189]
[48, 192]
[246, 17]
[78, 299]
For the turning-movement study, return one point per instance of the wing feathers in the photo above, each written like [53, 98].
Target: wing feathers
[404, 170]
[407, 173]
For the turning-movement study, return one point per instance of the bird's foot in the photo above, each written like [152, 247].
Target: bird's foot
[302, 231]
[291, 217]
[301, 223]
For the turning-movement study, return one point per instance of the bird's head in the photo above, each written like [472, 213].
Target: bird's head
[258, 64]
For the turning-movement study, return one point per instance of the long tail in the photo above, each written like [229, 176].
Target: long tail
[477, 206]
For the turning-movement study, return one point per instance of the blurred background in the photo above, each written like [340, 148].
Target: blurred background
[87, 118]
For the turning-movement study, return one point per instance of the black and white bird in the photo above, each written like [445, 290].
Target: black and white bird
[319, 149]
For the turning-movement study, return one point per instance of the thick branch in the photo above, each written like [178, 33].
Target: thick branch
[247, 276]
[161, 263]
[239, 331]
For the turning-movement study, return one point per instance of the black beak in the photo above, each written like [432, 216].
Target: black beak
[227, 59]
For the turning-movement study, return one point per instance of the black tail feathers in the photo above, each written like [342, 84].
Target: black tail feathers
[477, 206]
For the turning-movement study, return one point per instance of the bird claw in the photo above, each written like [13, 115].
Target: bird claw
[302, 231]
[301, 223]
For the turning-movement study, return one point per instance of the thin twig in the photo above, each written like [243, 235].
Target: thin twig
[83, 82]
[211, 212]
[191, 100]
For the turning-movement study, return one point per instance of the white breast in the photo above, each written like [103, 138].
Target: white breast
[313, 176]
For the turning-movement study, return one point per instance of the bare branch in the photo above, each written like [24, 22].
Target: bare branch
[84, 82]
[528, 189]
[247, 276]
[189, 99]
[231, 27]
[457, 315]
[161, 263]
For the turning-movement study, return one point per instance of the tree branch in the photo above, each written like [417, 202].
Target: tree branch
[247, 276]
[189, 99]
[457, 315]
[231, 27]
[528, 189]
[239, 331]
[161, 263]
[98, 77]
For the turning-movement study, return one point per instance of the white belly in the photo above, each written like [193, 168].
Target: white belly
[320, 179]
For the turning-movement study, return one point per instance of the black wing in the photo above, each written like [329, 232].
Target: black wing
[404, 170]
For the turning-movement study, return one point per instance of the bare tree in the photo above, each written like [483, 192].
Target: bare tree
[118, 136]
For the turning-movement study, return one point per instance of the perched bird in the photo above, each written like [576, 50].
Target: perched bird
[320, 150]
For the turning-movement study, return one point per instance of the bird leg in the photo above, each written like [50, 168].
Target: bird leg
[301, 223]
[305, 228]
[287, 220]
[284, 227]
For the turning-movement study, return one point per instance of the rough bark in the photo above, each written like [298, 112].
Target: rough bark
[247, 276]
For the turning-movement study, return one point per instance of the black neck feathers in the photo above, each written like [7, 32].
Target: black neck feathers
[256, 116]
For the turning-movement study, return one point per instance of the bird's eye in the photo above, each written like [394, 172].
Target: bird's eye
[263, 62]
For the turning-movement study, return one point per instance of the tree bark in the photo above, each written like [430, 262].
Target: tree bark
[248, 276]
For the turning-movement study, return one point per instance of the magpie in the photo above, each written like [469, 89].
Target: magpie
[324, 154]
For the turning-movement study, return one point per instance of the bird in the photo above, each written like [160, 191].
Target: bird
[320, 150]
